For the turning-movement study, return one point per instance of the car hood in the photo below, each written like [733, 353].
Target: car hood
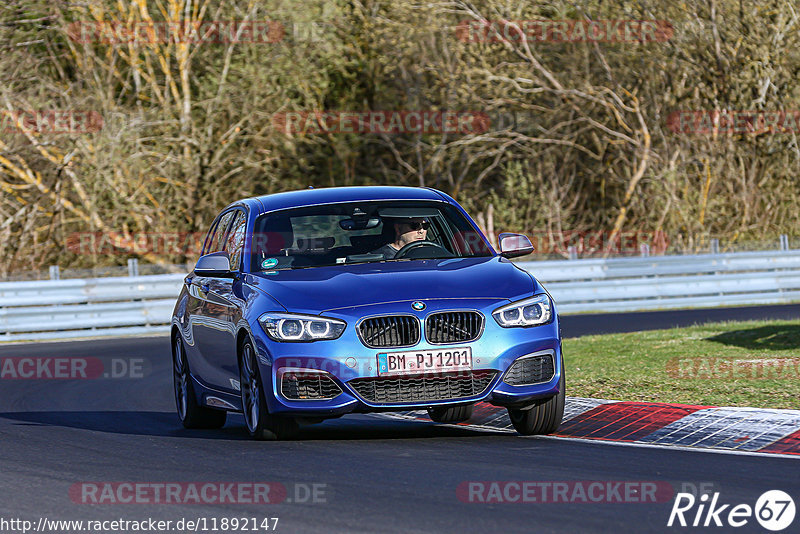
[319, 289]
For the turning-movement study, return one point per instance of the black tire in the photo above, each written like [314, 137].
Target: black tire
[451, 414]
[260, 424]
[190, 412]
[544, 417]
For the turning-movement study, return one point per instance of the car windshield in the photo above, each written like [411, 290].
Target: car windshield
[362, 232]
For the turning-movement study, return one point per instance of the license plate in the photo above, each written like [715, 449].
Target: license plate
[424, 361]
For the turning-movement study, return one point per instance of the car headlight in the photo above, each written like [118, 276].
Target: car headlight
[532, 311]
[293, 327]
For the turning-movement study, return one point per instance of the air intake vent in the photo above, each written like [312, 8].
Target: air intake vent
[389, 331]
[422, 388]
[530, 370]
[453, 327]
[299, 385]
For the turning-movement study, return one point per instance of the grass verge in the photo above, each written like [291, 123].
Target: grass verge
[753, 363]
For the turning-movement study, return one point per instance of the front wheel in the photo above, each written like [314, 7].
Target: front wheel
[452, 414]
[544, 417]
[190, 412]
[260, 424]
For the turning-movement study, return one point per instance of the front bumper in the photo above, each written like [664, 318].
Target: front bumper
[347, 359]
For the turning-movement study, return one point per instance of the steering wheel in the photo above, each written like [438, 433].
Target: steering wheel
[416, 245]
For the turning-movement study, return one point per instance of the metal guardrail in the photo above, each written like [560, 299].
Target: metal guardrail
[660, 282]
[54, 309]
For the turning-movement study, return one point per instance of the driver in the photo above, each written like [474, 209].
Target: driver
[405, 231]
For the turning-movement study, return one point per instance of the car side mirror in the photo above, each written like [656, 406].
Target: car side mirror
[514, 245]
[217, 264]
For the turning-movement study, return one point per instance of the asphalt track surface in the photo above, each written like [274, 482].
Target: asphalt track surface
[374, 473]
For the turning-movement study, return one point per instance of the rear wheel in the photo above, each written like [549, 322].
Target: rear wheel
[260, 424]
[451, 414]
[190, 412]
[544, 417]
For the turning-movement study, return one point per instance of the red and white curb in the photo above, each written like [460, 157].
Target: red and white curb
[676, 425]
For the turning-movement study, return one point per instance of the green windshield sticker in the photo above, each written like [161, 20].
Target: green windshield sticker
[269, 263]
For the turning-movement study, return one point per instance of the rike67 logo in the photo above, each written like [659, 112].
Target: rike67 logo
[774, 510]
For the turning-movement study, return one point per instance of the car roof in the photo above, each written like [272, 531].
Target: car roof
[329, 195]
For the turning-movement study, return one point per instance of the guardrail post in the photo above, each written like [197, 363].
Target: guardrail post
[715, 246]
[573, 252]
[784, 242]
[55, 272]
[644, 250]
[133, 267]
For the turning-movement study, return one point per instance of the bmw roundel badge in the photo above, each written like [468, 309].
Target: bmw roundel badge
[417, 305]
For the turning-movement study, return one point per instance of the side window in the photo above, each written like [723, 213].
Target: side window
[234, 244]
[209, 238]
[218, 241]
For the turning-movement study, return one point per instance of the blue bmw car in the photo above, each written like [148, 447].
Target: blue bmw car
[313, 304]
